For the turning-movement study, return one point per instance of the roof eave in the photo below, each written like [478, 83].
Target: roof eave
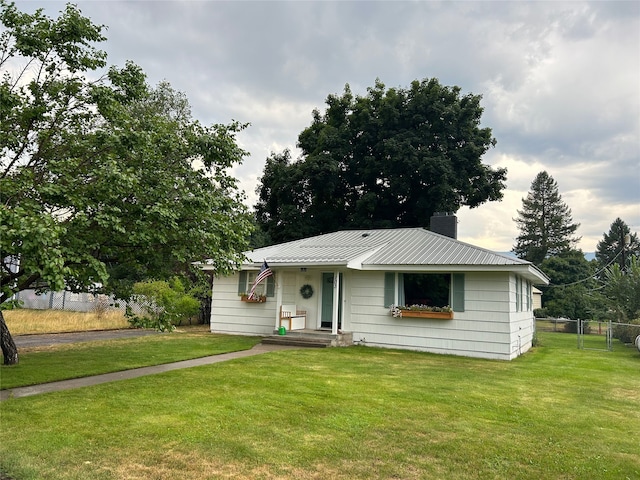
[298, 264]
[528, 271]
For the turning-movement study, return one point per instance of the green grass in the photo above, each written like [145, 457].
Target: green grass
[343, 413]
[63, 362]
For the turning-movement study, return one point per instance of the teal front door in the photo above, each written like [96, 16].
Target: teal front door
[327, 301]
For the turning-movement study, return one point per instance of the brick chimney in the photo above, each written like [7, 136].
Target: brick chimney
[444, 223]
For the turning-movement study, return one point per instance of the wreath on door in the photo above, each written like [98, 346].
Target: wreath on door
[306, 291]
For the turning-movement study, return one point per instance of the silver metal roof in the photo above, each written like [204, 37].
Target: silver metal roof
[410, 248]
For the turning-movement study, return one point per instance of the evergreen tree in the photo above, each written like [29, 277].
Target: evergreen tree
[545, 222]
[622, 290]
[569, 294]
[612, 248]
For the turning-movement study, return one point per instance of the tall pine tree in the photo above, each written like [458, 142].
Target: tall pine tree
[545, 222]
[613, 249]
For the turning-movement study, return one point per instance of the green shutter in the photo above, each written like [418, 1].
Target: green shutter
[242, 282]
[457, 292]
[271, 285]
[389, 288]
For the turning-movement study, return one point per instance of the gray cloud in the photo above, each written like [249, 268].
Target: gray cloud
[560, 81]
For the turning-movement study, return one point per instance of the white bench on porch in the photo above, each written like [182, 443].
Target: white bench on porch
[291, 318]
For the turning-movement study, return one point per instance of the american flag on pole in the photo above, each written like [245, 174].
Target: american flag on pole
[265, 272]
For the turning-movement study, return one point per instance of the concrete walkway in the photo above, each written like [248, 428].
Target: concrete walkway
[137, 372]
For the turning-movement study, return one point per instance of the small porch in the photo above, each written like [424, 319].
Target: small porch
[320, 338]
[309, 300]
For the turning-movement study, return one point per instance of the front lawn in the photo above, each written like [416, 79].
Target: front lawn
[343, 413]
[62, 362]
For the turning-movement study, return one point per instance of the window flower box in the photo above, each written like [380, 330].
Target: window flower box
[258, 299]
[426, 314]
[422, 311]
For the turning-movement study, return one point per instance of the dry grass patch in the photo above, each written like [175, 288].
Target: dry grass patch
[178, 465]
[24, 321]
[629, 394]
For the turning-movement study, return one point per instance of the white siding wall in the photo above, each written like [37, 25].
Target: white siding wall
[490, 326]
[482, 330]
[522, 320]
[290, 282]
[230, 315]
[311, 305]
[287, 282]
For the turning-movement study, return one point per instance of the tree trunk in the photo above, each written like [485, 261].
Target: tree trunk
[9, 349]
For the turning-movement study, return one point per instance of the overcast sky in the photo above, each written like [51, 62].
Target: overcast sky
[560, 82]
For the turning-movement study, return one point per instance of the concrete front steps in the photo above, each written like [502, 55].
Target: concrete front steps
[310, 338]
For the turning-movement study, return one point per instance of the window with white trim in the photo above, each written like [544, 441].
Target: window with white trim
[246, 279]
[431, 289]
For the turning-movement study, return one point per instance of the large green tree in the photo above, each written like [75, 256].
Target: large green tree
[570, 293]
[618, 245]
[104, 181]
[390, 158]
[622, 290]
[545, 222]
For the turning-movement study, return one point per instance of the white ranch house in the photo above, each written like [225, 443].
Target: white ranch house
[345, 283]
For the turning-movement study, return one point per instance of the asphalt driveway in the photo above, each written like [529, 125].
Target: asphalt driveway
[26, 341]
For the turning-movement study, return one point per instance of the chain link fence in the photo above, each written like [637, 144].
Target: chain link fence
[592, 334]
[88, 302]
[76, 302]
